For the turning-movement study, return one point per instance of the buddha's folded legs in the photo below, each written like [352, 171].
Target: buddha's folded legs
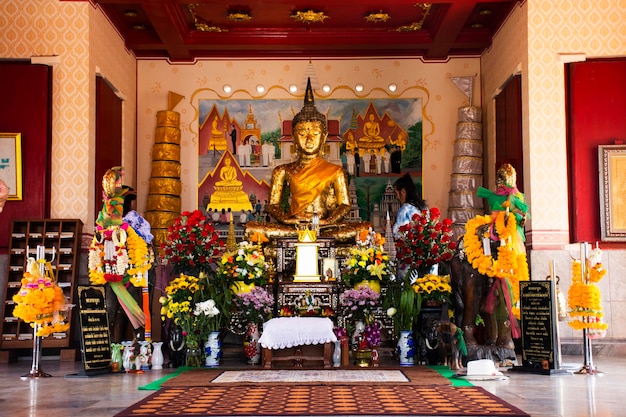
[342, 232]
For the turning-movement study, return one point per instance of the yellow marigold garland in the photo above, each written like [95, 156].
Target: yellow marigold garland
[96, 265]
[585, 300]
[510, 265]
[138, 262]
[40, 301]
[139, 259]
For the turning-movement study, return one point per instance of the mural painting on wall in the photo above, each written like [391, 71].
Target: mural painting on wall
[241, 141]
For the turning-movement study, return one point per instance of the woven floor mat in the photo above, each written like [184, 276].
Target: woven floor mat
[322, 400]
[414, 376]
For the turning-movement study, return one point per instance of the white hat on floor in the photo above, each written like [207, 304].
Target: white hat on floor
[482, 367]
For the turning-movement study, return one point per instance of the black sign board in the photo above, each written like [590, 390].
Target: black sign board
[94, 325]
[537, 319]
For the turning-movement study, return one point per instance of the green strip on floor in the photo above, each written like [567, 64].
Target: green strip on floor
[444, 371]
[156, 385]
[448, 373]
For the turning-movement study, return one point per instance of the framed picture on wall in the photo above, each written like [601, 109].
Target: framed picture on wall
[11, 163]
[612, 163]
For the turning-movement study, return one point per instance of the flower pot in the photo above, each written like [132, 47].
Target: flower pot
[432, 303]
[213, 350]
[374, 285]
[406, 348]
[362, 357]
[240, 287]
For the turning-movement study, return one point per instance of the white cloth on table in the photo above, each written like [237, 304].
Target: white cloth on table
[286, 332]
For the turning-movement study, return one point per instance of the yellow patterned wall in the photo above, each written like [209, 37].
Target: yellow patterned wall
[536, 40]
[204, 80]
[556, 29]
[39, 28]
[539, 37]
[81, 39]
[109, 59]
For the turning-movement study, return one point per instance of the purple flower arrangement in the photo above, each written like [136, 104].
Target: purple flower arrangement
[255, 306]
[372, 334]
[360, 304]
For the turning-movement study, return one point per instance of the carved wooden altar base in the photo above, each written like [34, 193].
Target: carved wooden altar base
[298, 355]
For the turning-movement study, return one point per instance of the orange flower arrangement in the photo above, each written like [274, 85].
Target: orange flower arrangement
[40, 301]
[585, 300]
[246, 263]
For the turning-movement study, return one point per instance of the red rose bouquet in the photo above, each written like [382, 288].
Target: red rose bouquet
[425, 241]
[192, 244]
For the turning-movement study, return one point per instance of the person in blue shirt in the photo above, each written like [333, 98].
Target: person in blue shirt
[406, 192]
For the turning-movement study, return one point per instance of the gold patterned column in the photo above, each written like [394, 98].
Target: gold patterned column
[164, 202]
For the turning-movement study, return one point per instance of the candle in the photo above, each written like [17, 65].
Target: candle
[551, 269]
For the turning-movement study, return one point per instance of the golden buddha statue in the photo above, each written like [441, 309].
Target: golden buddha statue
[218, 139]
[371, 138]
[228, 176]
[317, 188]
[229, 191]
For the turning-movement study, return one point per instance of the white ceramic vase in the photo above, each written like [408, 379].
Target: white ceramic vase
[213, 350]
[127, 354]
[406, 348]
[157, 355]
[337, 354]
[142, 359]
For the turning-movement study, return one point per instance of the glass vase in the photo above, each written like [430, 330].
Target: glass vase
[193, 358]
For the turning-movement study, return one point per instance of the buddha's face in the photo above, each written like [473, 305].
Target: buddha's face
[309, 137]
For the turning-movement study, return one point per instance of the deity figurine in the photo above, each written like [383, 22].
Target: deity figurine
[314, 184]
[508, 197]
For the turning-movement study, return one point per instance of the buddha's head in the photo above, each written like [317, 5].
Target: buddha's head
[309, 129]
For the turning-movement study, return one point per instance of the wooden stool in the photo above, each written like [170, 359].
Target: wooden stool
[297, 339]
[298, 354]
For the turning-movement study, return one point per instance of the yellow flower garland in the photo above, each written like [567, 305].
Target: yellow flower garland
[40, 301]
[585, 300]
[139, 259]
[510, 264]
[138, 263]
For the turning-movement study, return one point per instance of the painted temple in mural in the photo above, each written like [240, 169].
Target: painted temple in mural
[240, 142]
